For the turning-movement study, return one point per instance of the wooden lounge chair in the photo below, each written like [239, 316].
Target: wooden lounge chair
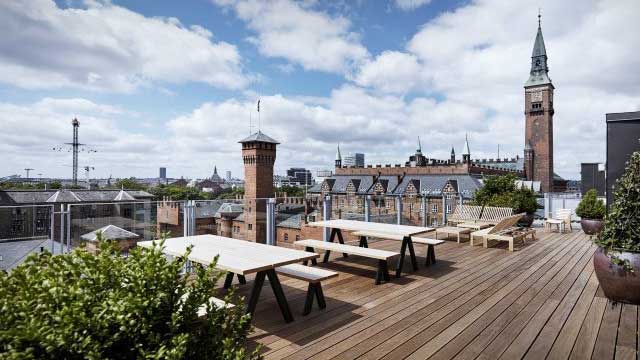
[464, 213]
[511, 235]
[562, 221]
[506, 223]
[493, 214]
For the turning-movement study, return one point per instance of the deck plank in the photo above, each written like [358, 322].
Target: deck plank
[541, 301]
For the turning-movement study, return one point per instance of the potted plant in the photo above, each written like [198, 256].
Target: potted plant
[591, 211]
[525, 201]
[617, 259]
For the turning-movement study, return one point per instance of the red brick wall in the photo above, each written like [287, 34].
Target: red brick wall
[539, 133]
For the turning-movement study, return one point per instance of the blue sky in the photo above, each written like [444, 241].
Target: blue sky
[165, 83]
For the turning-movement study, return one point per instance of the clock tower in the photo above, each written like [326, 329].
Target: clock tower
[538, 91]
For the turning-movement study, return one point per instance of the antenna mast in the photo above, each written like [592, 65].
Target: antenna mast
[27, 170]
[76, 124]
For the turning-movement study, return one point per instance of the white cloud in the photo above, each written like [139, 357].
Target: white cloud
[108, 47]
[474, 62]
[408, 5]
[32, 131]
[298, 33]
[392, 71]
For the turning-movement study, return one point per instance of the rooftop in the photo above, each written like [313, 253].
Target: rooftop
[543, 300]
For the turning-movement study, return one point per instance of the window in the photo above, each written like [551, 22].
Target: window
[434, 208]
[286, 237]
[250, 227]
[448, 208]
[434, 222]
[536, 106]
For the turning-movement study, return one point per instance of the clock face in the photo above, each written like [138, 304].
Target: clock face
[536, 96]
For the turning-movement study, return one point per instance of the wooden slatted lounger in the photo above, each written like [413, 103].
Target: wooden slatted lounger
[314, 276]
[511, 235]
[464, 213]
[383, 256]
[430, 257]
[505, 224]
[493, 214]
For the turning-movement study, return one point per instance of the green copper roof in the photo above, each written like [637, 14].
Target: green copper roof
[539, 74]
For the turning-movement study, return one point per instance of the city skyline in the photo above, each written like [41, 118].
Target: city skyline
[185, 105]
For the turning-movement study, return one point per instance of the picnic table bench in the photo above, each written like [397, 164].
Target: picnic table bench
[383, 256]
[240, 258]
[431, 243]
[406, 231]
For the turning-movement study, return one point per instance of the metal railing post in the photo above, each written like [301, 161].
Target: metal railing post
[61, 228]
[52, 230]
[192, 228]
[444, 210]
[399, 210]
[271, 222]
[326, 215]
[423, 209]
[367, 208]
[68, 228]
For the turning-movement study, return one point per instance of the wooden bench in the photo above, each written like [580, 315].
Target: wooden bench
[431, 243]
[314, 276]
[382, 256]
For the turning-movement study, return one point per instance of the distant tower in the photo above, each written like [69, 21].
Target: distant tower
[453, 155]
[75, 145]
[163, 173]
[539, 117]
[258, 155]
[466, 154]
[338, 158]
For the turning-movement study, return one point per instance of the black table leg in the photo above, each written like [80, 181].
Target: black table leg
[363, 242]
[255, 292]
[227, 280]
[412, 254]
[382, 274]
[277, 291]
[431, 255]
[341, 240]
[242, 279]
[313, 261]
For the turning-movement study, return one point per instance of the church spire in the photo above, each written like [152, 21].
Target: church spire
[338, 161]
[539, 74]
[419, 150]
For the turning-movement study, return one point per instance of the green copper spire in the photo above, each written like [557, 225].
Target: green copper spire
[539, 74]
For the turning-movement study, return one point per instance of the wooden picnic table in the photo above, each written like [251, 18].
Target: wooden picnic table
[406, 231]
[241, 258]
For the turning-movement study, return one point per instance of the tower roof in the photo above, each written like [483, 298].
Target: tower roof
[338, 155]
[453, 151]
[419, 149]
[466, 151]
[259, 136]
[539, 74]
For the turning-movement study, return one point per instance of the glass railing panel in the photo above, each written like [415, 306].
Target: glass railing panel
[25, 230]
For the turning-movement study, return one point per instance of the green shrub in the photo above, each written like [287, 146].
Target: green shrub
[590, 206]
[107, 306]
[622, 223]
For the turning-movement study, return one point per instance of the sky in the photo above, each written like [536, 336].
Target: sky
[175, 83]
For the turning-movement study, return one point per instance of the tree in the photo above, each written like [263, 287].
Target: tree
[622, 223]
[502, 191]
[178, 193]
[129, 184]
[231, 193]
[291, 191]
[81, 305]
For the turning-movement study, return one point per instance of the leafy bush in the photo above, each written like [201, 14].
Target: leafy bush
[502, 191]
[622, 224]
[590, 206]
[81, 305]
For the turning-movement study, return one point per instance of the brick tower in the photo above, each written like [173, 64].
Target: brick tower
[258, 155]
[538, 99]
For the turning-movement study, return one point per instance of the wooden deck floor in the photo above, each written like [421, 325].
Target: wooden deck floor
[542, 301]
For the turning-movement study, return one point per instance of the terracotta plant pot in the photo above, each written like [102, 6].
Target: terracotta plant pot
[592, 226]
[526, 221]
[617, 283]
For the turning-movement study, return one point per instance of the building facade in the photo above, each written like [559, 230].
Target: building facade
[354, 159]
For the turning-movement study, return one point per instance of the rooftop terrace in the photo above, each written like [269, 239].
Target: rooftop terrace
[541, 301]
